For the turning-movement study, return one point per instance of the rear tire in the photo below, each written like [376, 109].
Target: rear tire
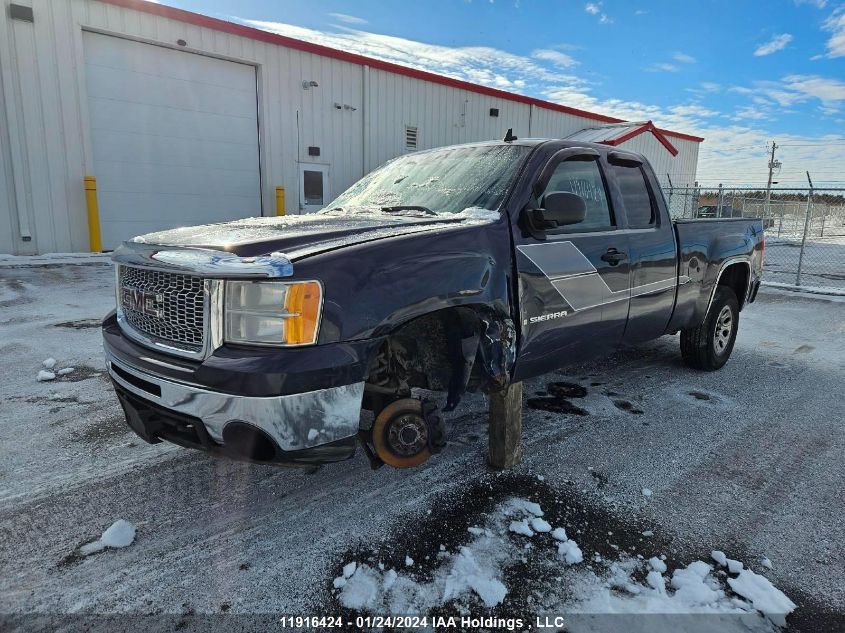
[708, 346]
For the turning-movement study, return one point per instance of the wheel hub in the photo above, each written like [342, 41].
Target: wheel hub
[407, 435]
[724, 329]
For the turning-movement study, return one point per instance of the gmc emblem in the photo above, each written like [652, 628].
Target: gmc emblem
[144, 302]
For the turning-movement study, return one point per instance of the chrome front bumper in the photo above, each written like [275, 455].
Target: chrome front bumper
[295, 422]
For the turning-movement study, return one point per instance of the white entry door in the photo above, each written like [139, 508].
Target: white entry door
[314, 191]
[174, 137]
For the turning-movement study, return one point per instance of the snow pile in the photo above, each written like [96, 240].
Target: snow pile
[733, 598]
[50, 372]
[521, 527]
[567, 549]
[570, 552]
[121, 533]
[719, 557]
[477, 214]
[474, 570]
[540, 525]
[694, 589]
[51, 259]
[763, 596]
[474, 573]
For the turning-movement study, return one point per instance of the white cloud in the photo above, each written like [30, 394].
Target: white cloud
[734, 153]
[555, 57]
[836, 25]
[777, 43]
[348, 19]
[594, 8]
[478, 64]
[640, 12]
[678, 56]
[749, 112]
[822, 88]
[819, 4]
[663, 67]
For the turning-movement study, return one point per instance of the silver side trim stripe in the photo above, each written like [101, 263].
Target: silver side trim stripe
[577, 280]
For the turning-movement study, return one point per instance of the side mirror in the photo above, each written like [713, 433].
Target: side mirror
[561, 208]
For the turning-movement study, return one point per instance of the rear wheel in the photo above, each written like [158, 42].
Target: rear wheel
[708, 346]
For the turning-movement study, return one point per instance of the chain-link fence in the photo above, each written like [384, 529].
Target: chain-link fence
[805, 229]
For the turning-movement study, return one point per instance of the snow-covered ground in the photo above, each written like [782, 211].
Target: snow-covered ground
[743, 466]
[823, 264]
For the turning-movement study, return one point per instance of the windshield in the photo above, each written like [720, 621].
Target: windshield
[449, 180]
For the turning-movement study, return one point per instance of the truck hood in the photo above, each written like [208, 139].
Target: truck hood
[301, 235]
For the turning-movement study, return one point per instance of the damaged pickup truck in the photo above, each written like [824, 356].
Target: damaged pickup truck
[467, 268]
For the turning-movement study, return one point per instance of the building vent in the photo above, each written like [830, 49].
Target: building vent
[410, 138]
[20, 12]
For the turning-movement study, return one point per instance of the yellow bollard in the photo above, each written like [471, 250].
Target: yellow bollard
[280, 200]
[93, 214]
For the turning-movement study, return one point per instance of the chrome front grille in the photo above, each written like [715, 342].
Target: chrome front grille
[168, 307]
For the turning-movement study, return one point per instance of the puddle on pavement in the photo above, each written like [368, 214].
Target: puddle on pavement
[557, 398]
[81, 324]
[625, 405]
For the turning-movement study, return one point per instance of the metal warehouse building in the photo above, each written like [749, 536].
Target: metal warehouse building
[185, 119]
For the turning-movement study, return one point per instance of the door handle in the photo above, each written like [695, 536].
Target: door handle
[613, 256]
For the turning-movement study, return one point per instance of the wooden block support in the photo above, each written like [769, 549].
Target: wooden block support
[505, 434]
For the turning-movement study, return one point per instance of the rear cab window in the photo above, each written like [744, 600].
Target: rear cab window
[640, 207]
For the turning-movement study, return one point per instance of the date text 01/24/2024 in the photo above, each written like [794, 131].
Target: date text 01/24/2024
[416, 622]
[419, 622]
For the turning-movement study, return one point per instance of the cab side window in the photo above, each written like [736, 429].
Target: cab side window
[639, 206]
[583, 178]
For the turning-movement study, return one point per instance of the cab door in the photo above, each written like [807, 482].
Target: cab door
[651, 245]
[573, 279]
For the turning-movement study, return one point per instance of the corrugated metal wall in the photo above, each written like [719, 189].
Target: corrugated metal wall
[443, 115]
[8, 225]
[356, 116]
[681, 167]
[551, 124]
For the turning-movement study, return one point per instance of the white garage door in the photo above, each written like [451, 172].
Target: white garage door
[174, 134]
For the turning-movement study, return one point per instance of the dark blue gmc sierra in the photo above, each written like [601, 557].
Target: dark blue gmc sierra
[469, 268]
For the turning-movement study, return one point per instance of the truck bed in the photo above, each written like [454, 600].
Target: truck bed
[705, 248]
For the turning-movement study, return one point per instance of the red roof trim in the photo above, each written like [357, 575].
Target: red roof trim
[289, 42]
[645, 127]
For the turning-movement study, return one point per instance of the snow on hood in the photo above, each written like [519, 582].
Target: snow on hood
[313, 232]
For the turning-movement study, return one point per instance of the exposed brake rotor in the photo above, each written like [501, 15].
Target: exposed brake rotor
[406, 433]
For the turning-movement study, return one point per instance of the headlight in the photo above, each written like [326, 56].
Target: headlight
[273, 312]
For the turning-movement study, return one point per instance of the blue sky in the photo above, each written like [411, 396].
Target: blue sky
[737, 72]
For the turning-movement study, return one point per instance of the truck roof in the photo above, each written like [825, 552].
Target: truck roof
[531, 142]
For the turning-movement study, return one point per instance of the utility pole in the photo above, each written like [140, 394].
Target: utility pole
[772, 165]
